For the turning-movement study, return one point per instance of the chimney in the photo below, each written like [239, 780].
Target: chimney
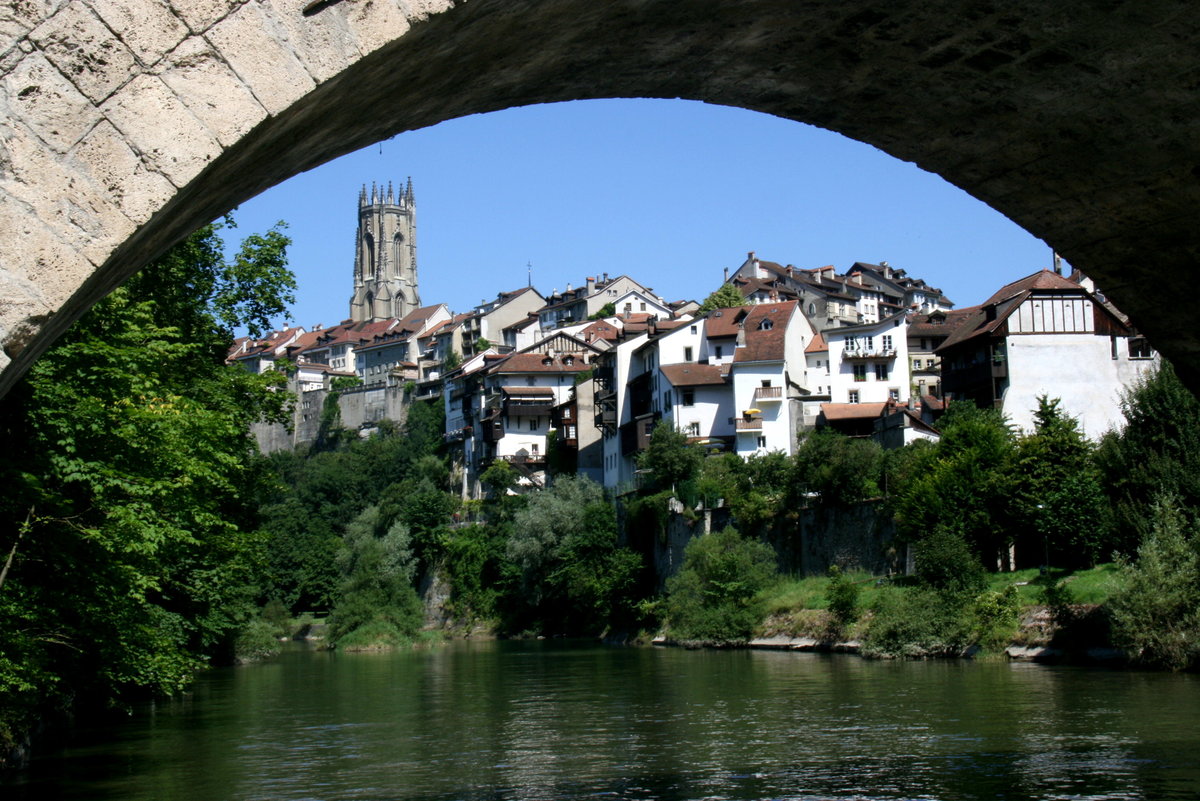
[726, 281]
[591, 284]
[568, 287]
[606, 278]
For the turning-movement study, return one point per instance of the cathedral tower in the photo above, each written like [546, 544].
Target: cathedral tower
[385, 255]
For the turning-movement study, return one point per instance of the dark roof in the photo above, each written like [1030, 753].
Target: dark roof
[994, 312]
[689, 374]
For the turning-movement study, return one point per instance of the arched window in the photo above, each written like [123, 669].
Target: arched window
[397, 251]
[368, 256]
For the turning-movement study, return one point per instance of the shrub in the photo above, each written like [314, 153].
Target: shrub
[996, 617]
[1156, 614]
[715, 597]
[944, 562]
[918, 622]
[843, 596]
[256, 641]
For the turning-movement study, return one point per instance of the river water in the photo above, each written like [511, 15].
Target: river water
[557, 720]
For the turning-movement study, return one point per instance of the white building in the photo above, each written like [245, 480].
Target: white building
[868, 363]
[1045, 335]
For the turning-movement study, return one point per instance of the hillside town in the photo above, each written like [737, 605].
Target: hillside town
[576, 380]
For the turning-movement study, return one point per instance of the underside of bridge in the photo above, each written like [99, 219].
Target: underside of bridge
[129, 123]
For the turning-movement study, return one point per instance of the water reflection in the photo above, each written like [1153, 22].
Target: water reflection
[559, 720]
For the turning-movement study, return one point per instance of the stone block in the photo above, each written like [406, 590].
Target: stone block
[148, 27]
[85, 51]
[18, 18]
[375, 24]
[78, 211]
[38, 95]
[211, 90]
[157, 123]
[259, 50]
[322, 42]
[200, 15]
[107, 160]
[40, 271]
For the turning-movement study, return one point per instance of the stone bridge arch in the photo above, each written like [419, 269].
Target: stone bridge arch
[131, 122]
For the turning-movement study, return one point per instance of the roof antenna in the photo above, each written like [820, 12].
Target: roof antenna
[529, 269]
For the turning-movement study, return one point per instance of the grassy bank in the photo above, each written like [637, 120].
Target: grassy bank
[900, 617]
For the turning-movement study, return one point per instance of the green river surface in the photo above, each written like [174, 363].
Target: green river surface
[572, 720]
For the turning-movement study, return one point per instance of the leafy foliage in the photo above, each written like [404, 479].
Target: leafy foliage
[573, 576]
[669, 460]
[724, 297]
[843, 596]
[1158, 451]
[377, 592]
[1059, 494]
[128, 458]
[1156, 614]
[963, 486]
[837, 469]
[715, 596]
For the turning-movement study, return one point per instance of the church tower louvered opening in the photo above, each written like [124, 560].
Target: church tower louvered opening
[385, 254]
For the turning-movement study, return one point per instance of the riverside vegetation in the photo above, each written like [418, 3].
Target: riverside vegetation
[147, 538]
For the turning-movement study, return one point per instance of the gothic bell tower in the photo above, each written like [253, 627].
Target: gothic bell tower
[385, 255]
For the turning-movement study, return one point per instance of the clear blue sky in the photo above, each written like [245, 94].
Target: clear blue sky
[669, 192]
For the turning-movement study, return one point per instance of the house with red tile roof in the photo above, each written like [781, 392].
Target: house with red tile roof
[1045, 334]
[732, 379]
[390, 356]
[867, 292]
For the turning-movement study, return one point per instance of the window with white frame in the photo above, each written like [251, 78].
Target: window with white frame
[693, 429]
[688, 396]
[894, 393]
[881, 372]
[852, 396]
[860, 372]
[687, 354]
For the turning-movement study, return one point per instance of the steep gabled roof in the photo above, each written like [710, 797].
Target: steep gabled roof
[1043, 279]
[995, 311]
[818, 344]
[766, 329]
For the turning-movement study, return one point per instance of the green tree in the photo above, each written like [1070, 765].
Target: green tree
[716, 595]
[607, 310]
[1058, 491]
[128, 467]
[725, 297]
[573, 576]
[1156, 613]
[1157, 451]
[966, 486]
[669, 460]
[836, 469]
[377, 605]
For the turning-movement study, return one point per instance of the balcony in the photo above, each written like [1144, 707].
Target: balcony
[753, 424]
[872, 353]
[768, 394]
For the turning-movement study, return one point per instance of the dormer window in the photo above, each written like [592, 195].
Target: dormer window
[568, 360]
[766, 325]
